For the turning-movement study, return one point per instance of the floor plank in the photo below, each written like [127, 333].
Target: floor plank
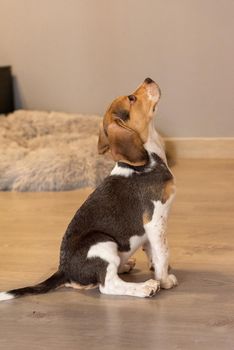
[198, 314]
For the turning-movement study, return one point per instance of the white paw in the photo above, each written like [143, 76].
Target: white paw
[169, 282]
[150, 288]
[128, 266]
[131, 262]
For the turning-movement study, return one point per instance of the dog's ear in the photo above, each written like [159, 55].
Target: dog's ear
[103, 143]
[125, 144]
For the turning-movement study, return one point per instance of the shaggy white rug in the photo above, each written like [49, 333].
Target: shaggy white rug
[41, 151]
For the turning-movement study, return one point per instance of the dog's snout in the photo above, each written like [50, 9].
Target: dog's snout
[149, 81]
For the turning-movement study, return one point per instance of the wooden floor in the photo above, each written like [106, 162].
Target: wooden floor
[198, 314]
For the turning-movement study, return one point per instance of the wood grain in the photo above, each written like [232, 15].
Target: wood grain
[200, 147]
[198, 314]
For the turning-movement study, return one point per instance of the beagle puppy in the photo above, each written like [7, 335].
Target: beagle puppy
[127, 211]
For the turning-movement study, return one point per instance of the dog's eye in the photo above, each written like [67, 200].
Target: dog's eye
[132, 98]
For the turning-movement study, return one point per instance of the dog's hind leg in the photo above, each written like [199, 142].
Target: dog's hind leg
[112, 283]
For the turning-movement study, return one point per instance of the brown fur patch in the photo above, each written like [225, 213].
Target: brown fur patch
[146, 217]
[168, 190]
[126, 145]
[80, 286]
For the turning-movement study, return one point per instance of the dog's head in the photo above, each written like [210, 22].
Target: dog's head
[125, 124]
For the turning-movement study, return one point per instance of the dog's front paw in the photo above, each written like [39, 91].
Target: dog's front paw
[150, 288]
[169, 282]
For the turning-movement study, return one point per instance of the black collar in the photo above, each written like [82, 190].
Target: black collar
[141, 168]
[138, 168]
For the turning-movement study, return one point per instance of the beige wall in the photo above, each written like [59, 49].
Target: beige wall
[77, 55]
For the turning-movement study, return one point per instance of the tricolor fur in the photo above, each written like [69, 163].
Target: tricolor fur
[127, 211]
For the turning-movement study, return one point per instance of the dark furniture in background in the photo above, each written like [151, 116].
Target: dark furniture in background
[6, 90]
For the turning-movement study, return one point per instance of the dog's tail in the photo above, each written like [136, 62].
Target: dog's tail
[54, 281]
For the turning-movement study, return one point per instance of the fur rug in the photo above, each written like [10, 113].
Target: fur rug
[41, 151]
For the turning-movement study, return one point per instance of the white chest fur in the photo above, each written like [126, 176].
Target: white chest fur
[154, 143]
[159, 217]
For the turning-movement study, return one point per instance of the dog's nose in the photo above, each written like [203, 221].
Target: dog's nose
[149, 81]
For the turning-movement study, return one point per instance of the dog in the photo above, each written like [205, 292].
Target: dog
[127, 211]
